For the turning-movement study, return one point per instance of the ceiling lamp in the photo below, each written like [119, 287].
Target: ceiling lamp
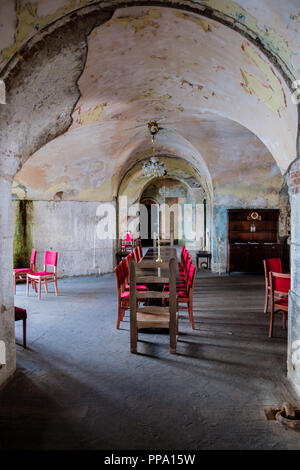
[154, 167]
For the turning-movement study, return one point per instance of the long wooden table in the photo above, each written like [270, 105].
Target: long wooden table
[166, 253]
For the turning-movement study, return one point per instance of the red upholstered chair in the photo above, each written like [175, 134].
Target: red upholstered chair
[183, 278]
[137, 255]
[185, 296]
[182, 259]
[125, 263]
[45, 277]
[271, 264]
[280, 284]
[122, 278]
[127, 244]
[21, 314]
[21, 273]
[123, 296]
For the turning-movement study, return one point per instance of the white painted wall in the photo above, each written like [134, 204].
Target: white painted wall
[69, 227]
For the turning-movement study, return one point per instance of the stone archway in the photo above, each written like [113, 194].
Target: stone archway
[135, 185]
[34, 117]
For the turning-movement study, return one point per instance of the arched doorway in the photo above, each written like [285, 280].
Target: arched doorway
[152, 208]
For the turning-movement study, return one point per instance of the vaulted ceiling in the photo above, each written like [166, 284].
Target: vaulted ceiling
[221, 104]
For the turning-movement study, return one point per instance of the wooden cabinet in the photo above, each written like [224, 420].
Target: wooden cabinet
[253, 235]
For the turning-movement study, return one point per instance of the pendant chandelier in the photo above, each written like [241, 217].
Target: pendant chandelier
[153, 167]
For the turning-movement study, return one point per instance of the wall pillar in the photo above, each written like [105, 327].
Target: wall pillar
[7, 327]
[293, 361]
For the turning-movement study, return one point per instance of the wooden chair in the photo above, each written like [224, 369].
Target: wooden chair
[280, 285]
[182, 266]
[271, 264]
[185, 294]
[20, 274]
[137, 255]
[125, 265]
[127, 244]
[21, 314]
[123, 295]
[122, 279]
[153, 316]
[45, 277]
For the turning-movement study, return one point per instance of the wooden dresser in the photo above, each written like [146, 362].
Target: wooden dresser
[253, 235]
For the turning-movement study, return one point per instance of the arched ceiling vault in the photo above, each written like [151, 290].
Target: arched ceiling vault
[272, 24]
[220, 103]
[134, 182]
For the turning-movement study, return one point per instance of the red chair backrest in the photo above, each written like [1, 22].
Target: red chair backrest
[128, 237]
[272, 264]
[191, 277]
[188, 265]
[33, 257]
[280, 284]
[51, 258]
[119, 275]
[125, 269]
[185, 256]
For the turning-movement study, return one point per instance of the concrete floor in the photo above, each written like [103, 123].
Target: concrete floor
[78, 387]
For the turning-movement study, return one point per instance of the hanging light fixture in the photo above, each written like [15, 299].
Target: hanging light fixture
[154, 167]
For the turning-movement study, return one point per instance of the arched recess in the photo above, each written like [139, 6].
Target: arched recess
[134, 184]
[31, 119]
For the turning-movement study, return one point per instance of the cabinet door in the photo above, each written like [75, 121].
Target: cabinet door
[273, 251]
[238, 258]
[255, 259]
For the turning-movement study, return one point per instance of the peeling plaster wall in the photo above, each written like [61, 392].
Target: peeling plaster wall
[272, 22]
[293, 362]
[70, 228]
[189, 89]
[41, 94]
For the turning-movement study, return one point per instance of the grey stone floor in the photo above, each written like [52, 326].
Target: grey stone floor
[78, 387]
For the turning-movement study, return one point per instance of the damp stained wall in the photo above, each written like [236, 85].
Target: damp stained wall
[69, 228]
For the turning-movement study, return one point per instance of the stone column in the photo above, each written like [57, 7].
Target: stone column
[293, 361]
[7, 327]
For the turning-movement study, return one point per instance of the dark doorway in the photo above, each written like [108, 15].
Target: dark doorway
[153, 211]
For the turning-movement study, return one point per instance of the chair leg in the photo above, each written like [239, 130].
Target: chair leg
[46, 286]
[40, 288]
[24, 333]
[191, 313]
[122, 313]
[119, 316]
[15, 283]
[271, 323]
[266, 301]
[27, 286]
[55, 287]
[284, 320]
[133, 342]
